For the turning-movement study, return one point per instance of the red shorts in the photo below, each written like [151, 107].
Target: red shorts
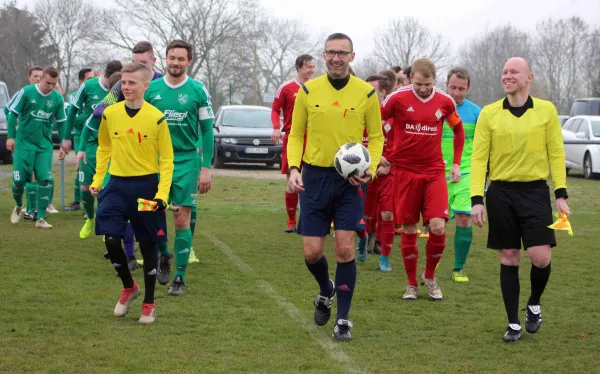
[380, 196]
[417, 194]
[284, 160]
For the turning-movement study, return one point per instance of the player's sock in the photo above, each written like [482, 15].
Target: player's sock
[150, 263]
[509, 283]
[17, 191]
[118, 259]
[410, 256]
[291, 202]
[183, 245]
[193, 219]
[539, 278]
[320, 270]
[164, 250]
[387, 237]
[51, 185]
[345, 279]
[77, 189]
[88, 203]
[362, 234]
[435, 248]
[43, 200]
[128, 240]
[462, 245]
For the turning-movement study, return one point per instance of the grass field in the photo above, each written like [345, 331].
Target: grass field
[249, 303]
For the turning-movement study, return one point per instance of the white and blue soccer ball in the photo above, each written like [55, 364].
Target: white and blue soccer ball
[352, 159]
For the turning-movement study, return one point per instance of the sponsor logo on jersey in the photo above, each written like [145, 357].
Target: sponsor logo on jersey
[49, 103]
[420, 130]
[438, 114]
[182, 98]
[40, 115]
[172, 115]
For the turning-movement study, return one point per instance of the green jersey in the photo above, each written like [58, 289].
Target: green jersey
[80, 120]
[468, 113]
[187, 109]
[36, 114]
[89, 94]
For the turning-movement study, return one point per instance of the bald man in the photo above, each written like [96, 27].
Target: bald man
[522, 138]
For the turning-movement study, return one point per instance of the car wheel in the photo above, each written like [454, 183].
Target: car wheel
[217, 162]
[588, 166]
[270, 164]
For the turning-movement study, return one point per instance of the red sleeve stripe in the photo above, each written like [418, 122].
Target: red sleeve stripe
[401, 89]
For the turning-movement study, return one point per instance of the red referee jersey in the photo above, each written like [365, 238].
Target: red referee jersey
[285, 97]
[417, 128]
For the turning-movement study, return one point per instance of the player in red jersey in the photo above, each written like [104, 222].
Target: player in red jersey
[284, 102]
[418, 112]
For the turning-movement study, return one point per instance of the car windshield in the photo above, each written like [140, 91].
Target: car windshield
[247, 118]
[596, 128]
[3, 99]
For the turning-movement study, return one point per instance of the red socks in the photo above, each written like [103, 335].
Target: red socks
[291, 202]
[435, 248]
[410, 256]
[387, 237]
[362, 234]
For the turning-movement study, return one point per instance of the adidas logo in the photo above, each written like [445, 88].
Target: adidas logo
[45, 198]
[411, 257]
[115, 265]
[152, 272]
[157, 97]
[95, 97]
[410, 109]
[160, 233]
[130, 131]
[362, 222]
[336, 103]
[446, 211]
[33, 101]
[187, 250]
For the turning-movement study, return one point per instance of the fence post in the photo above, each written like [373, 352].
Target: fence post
[62, 184]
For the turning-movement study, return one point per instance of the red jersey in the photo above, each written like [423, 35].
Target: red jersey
[417, 125]
[387, 136]
[285, 97]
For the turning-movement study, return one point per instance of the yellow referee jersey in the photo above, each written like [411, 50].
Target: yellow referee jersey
[135, 146]
[332, 118]
[519, 149]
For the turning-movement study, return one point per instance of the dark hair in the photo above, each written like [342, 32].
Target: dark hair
[83, 72]
[133, 67]
[34, 68]
[112, 67]
[51, 71]
[396, 69]
[180, 44]
[391, 77]
[143, 47]
[384, 82]
[303, 59]
[113, 79]
[461, 73]
[339, 36]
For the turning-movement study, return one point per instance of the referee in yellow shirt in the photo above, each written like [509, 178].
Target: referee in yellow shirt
[332, 110]
[521, 136]
[134, 137]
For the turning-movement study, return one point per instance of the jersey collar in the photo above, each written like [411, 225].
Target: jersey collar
[101, 85]
[428, 98]
[40, 92]
[177, 86]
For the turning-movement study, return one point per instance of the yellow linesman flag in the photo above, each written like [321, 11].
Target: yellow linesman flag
[146, 205]
[562, 223]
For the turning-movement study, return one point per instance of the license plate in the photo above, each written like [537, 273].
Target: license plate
[257, 150]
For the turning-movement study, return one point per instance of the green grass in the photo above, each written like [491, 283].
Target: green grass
[249, 305]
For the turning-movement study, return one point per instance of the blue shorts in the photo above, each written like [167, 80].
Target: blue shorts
[328, 196]
[117, 204]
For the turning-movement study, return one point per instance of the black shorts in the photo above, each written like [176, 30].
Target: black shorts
[519, 212]
[117, 205]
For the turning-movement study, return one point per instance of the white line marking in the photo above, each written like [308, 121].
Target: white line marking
[332, 348]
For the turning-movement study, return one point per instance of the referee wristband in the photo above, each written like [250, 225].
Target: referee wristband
[476, 200]
[561, 193]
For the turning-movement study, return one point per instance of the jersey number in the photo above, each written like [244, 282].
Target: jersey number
[80, 176]
[16, 175]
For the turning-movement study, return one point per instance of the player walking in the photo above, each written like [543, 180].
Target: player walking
[284, 102]
[418, 112]
[186, 105]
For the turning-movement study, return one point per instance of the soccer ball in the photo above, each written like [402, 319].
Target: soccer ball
[352, 159]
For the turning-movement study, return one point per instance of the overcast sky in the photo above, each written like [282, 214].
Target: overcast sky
[458, 20]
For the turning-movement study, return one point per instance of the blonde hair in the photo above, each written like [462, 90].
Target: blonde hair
[133, 67]
[424, 67]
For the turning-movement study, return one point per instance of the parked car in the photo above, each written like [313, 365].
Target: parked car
[250, 142]
[586, 107]
[584, 157]
[563, 120]
[5, 155]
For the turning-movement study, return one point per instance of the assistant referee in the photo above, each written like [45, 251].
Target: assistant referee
[134, 137]
[522, 138]
[332, 110]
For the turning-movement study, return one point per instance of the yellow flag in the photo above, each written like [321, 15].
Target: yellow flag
[146, 205]
[562, 223]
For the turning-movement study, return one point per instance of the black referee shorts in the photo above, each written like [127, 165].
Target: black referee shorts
[519, 212]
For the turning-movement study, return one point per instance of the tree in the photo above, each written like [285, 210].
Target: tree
[22, 42]
[404, 40]
[367, 66]
[70, 26]
[592, 63]
[485, 58]
[559, 48]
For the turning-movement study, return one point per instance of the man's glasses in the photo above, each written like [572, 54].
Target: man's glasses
[341, 54]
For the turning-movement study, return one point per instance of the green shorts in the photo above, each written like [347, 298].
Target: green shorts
[88, 170]
[76, 139]
[184, 188]
[459, 196]
[26, 163]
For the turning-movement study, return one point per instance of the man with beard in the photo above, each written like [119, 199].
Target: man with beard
[186, 105]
